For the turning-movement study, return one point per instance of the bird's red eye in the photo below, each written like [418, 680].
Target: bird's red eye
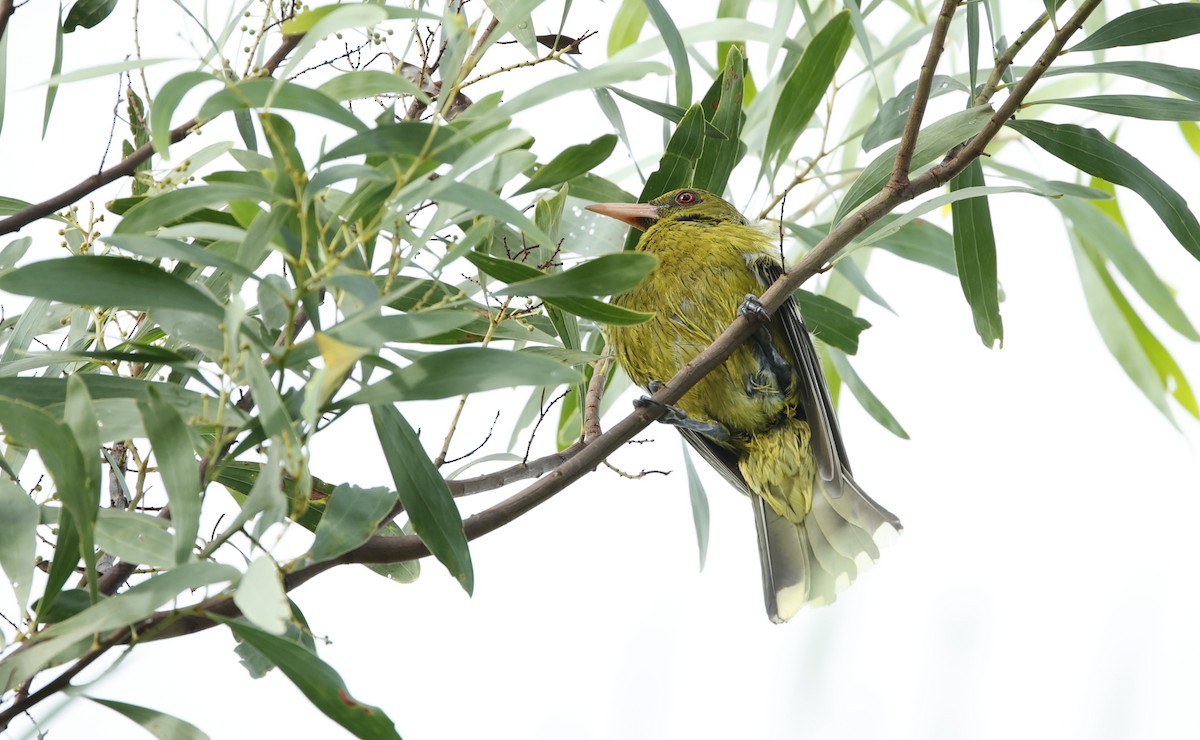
[686, 198]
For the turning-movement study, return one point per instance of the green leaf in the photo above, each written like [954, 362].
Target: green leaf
[109, 282]
[31, 428]
[1132, 106]
[932, 144]
[672, 113]
[699, 501]
[158, 247]
[1090, 151]
[271, 94]
[55, 70]
[806, 85]
[718, 159]
[167, 208]
[425, 495]
[627, 25]
[1191, 134]
[869, 401]
[165, 103]
[161, 726]
[368, 83]
[675, 48]
[1180, 80]
[571, 162]
[975, 255]
[830, 321]
[1105, 235]
[453, 372]
[589, 308]
[607, 274]
[261, 598]
[352, 515]
[319, 683]
[18, 539]
[170, 438]
[376, 331]
[678, 162]
[136, 538]
[520, 25]
[1145, 26]
[72, 635]
[87, 14]
[406, 571]
[1140, 354]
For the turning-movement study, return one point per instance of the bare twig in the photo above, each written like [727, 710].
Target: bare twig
[912, 126]
[1006, 59]
[591, 403]
[126, 167]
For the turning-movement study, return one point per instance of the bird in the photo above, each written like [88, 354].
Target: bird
[764, 418]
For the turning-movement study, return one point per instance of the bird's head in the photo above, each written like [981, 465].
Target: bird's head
[685, 204]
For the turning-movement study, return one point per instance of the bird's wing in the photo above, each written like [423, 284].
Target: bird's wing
[827, 446]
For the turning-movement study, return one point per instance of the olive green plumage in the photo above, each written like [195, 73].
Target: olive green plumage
[763, 418]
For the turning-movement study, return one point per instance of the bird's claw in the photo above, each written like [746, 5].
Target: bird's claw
[753, 308]
[677, 417]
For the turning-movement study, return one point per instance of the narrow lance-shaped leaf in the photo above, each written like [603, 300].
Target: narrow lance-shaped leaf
[719, 157]
[161, 725]
[806, 85]
[571, 162]
[1140, 354]
[1179, 80]
[18, 539]
[678, 162]
[423, 491]
[627, 25]
[869, 401]
[699, 501]
[352, 515]
[170, 437]
[319, 683]
[605, 275]
[454, 372]
[1147, 25]
[830, 321]
[675, 48]
[975, 255]
[107, 281]
[1132, 106]
[1090, 151]
[510, 271]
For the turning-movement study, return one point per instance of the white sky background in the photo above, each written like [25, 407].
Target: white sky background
[1044, 587]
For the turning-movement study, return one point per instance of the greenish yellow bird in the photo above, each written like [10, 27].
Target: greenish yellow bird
[764, 418]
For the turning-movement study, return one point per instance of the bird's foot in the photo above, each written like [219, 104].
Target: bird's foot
[677, 417]
[753, 308]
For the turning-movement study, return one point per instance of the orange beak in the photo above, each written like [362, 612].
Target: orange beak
[640, 216]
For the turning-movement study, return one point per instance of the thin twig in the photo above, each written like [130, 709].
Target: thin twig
[126, 167]
[1006, 59]
[595, 393]
[912, 126]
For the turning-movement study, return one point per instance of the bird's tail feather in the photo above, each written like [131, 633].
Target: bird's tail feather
[811, 562]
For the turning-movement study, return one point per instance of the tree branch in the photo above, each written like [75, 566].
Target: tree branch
[126, 167]
[912, 126]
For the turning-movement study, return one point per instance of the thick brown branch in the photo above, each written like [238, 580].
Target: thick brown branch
[126, 167]
[595, 393]
[912, 126]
